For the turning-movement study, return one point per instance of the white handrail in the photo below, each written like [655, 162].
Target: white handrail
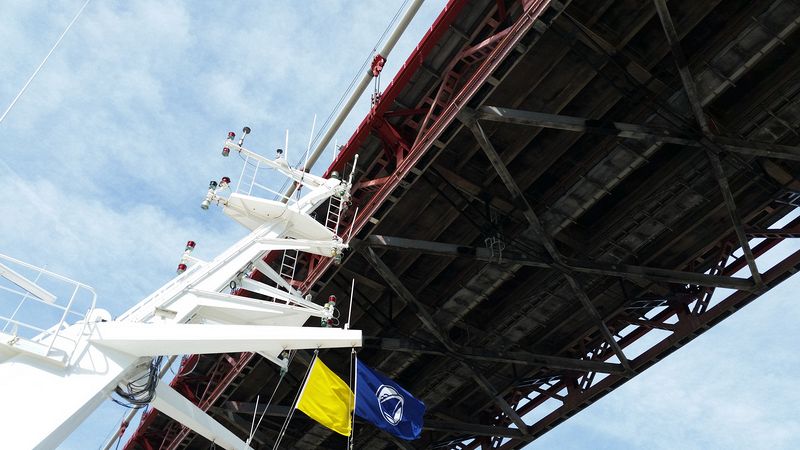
[53, 333]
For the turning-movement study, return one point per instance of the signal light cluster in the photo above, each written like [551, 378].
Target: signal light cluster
[328, 320]
[190, 245]
[211, 195]
[226, 150]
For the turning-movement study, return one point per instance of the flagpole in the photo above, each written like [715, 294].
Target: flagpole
[350, 306]
[305, 382]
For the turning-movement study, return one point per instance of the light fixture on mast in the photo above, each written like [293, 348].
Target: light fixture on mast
[226, 149]
[186, 257]
[212, 188]
[245, 132]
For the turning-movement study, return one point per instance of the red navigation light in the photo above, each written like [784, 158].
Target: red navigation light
[181, 268]
[332, 299]
[231, 135]
[190, 245]
[226, 151]
[225, 180]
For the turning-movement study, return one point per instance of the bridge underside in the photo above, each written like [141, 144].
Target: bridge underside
[552, 197]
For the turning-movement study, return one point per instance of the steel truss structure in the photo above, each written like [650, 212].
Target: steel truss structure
[554, 196]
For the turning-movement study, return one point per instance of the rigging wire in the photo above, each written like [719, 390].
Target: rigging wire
[353, 82]
[115, 429]
[285, 426]
[274, 391]
[36, 72]
[360, 71]
[253, 422]
[354, 388]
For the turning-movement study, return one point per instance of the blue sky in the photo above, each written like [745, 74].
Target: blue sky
[109, 153]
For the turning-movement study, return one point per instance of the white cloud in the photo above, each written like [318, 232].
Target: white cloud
[122, 249]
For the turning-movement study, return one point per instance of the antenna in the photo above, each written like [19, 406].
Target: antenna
[286, 147]
[302, 166]
[352, 224]
[355, 161]
[245, 132]
[311, 136]
[335, 148]
[350, 306]
[308, 149]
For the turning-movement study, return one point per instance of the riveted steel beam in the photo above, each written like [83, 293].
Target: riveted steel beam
[494, 355]
[634, 131]
[596, 268]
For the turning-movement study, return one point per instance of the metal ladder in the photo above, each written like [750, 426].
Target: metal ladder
[289, 264]
[334, 214]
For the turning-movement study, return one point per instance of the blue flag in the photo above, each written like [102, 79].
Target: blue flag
[386, 405]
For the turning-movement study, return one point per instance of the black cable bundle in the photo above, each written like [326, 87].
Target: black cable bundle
[138, 392]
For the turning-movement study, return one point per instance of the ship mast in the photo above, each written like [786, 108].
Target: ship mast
[74, 365]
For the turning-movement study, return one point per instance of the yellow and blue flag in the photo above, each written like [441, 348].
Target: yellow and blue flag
[385, 404]
[327, 399]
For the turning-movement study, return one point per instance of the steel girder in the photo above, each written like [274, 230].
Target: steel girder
[589, 267]
[634, 131]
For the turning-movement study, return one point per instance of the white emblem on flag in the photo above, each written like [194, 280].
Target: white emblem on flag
[391, 404]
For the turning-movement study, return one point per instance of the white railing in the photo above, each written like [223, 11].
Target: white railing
[256, 178]
[26, 316]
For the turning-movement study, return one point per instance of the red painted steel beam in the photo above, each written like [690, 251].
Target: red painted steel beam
[404, 75]
[214, 393]
[394, 145]
[517, 30]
